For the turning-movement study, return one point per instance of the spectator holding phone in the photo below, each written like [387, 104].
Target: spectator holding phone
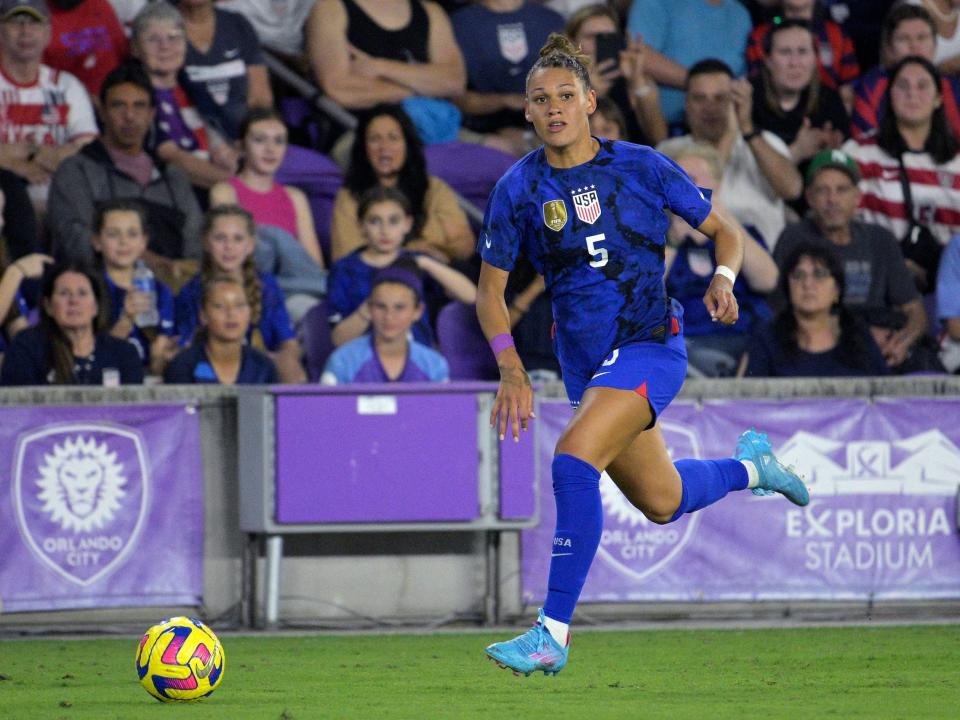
[618, 71]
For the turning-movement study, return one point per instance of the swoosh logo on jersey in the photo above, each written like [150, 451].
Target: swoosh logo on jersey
[230, 54]
[607, 372]
[486, 241]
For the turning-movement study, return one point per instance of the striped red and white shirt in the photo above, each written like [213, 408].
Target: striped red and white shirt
[51, 111]
[935, 189]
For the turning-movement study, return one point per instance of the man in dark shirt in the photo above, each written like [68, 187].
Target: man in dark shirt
[879, 287]
[117, 166]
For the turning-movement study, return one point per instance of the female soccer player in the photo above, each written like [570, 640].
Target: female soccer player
[589, 214]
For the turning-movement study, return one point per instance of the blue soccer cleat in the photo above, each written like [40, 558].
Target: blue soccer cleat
[534, 650]
[774, 477]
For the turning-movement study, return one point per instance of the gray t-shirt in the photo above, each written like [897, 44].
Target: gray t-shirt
[876, 275]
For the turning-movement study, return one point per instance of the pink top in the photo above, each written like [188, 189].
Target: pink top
[273, 207]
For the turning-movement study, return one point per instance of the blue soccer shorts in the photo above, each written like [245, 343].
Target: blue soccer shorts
[653, 370]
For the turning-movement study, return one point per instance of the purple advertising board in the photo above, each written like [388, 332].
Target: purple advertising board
[881, 524]
[100, 507]
[376, 458]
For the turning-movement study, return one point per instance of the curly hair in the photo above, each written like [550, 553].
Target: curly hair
[412, 179]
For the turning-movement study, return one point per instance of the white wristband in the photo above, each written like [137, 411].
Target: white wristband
[726, 272]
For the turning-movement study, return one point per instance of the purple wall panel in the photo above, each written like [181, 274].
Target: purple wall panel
[517, 478]
[376, 458]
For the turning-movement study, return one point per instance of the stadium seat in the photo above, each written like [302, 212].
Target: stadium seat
[315, 340]
[470, 169]
[319, 178]
[463, 345]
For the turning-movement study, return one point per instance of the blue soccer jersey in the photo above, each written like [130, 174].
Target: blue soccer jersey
[597, 233]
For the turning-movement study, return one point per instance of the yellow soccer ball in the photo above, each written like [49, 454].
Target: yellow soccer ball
[180, 660]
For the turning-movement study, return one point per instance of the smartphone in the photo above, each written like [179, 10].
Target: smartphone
[609, 46]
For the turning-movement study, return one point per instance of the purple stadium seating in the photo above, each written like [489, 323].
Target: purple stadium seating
[319, 178]
[470, 169]
[463, 345]
[315, 339]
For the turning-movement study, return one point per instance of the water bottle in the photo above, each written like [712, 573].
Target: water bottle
[143, 281]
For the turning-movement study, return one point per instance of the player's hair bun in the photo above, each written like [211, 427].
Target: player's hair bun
[560, 52]
[558, 44]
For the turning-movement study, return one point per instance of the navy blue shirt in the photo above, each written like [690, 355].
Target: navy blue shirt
[137, 337]
[216, 80]
[597, 233]
[498, 49]
[766, 358]
[27, 362]
[192, 366]
[275, 325]
[687, 282]
[350, 283]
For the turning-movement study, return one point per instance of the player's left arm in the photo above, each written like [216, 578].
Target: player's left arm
[719, 299]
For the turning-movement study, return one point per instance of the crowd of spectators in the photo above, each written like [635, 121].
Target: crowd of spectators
[149, 231]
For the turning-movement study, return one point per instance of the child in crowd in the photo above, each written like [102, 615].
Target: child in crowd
[607, 120]
[263, 145]
[228, 241]
[287, 244]
[387, 355]
[386, 220]
[120, 239]
[219, 353]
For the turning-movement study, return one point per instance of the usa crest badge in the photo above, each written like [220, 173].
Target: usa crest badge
[586, 202]
[555, 214]
[513, 42]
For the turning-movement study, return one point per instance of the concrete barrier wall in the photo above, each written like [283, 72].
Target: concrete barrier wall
[376, 579]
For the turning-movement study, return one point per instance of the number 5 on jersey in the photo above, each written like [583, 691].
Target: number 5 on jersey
[599, 254]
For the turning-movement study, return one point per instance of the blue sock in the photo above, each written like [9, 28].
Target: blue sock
[576, 489]
[706, 481]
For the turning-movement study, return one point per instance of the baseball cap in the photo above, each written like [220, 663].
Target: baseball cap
[36, 8]
[836, 159]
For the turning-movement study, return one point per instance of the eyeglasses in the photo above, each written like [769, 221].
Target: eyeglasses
[800, 276]
[170, 38]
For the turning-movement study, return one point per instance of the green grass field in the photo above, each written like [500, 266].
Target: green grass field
[873, 672]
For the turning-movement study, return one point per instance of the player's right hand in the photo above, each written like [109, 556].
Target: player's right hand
[721, 302]
[513, 405]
